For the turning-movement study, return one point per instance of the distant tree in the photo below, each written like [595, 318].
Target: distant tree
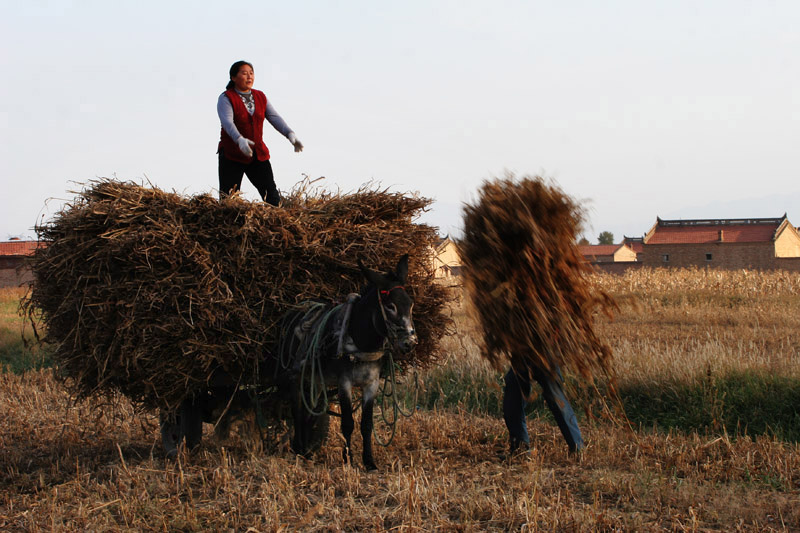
[583, 241]
[606, 238]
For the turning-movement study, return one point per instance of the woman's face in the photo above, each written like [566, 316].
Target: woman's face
[244, 78]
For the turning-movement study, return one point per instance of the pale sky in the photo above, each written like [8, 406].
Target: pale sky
[640, 108]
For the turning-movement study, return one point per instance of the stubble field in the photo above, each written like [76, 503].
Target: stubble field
[703, 437]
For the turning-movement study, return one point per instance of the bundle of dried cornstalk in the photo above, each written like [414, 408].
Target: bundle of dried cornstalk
[150, 293]
[527, 281]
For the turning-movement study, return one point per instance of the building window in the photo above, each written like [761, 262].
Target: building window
[709, 257]
[665, 258]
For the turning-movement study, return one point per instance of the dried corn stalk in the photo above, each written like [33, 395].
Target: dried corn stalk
[150, 293]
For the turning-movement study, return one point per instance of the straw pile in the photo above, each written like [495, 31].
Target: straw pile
[149, 293]
[527, 281]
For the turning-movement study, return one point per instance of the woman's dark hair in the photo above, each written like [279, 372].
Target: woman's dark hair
[234, 71]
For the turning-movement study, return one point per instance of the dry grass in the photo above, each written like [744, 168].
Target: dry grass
[677, 324]
[10, 325]
[71, 466]
[18, 349]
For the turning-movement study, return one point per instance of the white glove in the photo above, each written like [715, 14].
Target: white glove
[298, 146]
[245, 146]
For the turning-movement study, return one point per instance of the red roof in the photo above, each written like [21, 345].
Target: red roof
[708, 233]
[598, 249]
[18, 248]
[637, 246]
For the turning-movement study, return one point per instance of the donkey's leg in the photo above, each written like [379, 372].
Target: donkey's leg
[369, 391]
[192, 421]
[346, 407]
[171, 432]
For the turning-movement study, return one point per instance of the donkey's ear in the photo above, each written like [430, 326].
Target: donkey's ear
[372, 277]
[402, 269]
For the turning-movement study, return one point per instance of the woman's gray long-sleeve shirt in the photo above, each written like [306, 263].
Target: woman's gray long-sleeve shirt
[225, 112]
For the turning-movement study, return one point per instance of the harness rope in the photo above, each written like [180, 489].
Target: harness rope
[389, 387]
[310, 349]
[390, 383]
[317, 377]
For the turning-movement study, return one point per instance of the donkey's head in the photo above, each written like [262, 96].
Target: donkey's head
[394, 305]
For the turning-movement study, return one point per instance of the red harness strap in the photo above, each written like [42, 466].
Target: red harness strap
[386, 293]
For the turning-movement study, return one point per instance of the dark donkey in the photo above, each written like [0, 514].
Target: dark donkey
[342, 346]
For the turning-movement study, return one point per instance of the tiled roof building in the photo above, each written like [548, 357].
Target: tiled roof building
[446, 261]
[758, 243]
[12, 262]
[607, 253]
[15, 247]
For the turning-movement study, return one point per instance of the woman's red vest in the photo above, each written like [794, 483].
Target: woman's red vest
[251, 127]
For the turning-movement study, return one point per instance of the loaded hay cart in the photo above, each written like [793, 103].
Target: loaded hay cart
[174, 301]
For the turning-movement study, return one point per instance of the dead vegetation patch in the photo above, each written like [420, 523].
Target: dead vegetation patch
[64, 470]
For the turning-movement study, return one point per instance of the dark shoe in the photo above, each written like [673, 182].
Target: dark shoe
[576, 451]
[518, 446]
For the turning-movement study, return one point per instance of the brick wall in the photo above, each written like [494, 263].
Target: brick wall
[788, 263]
[755, 256]
[13, 272]
[10, 261]
[617, 268]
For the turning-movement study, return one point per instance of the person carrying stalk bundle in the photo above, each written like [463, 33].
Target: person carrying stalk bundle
[529, 291]
[241, 149]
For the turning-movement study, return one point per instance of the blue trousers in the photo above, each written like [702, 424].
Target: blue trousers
[518, 388]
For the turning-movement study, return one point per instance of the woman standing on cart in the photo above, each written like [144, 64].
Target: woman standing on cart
[242, 111]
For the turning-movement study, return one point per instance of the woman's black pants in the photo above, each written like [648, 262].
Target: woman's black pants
[258, 172]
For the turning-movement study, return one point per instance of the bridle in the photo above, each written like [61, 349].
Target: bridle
[391, 331]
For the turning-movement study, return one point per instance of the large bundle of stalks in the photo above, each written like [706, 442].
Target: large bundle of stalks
[150, 293]
[527, 281]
